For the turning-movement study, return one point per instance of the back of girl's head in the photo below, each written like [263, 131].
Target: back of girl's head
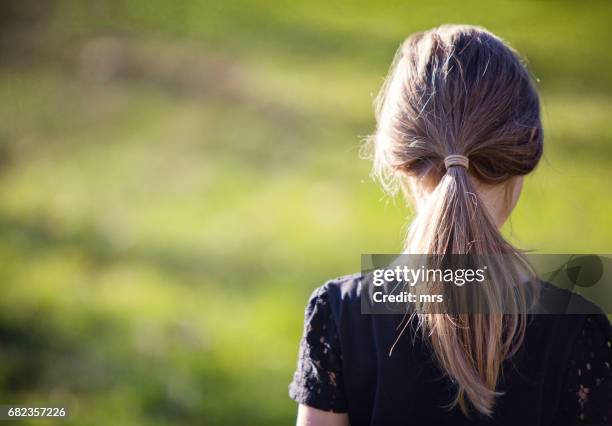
[460, 90]
[457, 90]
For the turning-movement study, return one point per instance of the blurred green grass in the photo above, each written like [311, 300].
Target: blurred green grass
[176, 178]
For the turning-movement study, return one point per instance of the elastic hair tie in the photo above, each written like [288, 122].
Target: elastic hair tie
[456, 160]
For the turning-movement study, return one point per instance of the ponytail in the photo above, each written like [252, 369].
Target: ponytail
[469, 347]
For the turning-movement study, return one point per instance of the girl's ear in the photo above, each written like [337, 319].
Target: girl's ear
[512, 192]
[408, 191]
[515, 187]
[415, 192]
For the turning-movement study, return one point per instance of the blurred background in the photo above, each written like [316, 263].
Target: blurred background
[176, 177]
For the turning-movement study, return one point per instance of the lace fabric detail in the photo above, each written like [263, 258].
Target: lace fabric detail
[318, 381]
[587, 399]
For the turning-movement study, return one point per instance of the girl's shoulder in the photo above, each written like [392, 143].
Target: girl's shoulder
[342, 295]
[346, 288]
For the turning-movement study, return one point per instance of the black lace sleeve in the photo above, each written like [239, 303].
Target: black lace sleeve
[318, 381]
[587, 399]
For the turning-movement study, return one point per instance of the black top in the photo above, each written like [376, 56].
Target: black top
[561, 376]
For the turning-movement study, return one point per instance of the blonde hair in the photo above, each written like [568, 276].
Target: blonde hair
[460, 90]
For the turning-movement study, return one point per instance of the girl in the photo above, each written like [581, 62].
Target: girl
[458, 126]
